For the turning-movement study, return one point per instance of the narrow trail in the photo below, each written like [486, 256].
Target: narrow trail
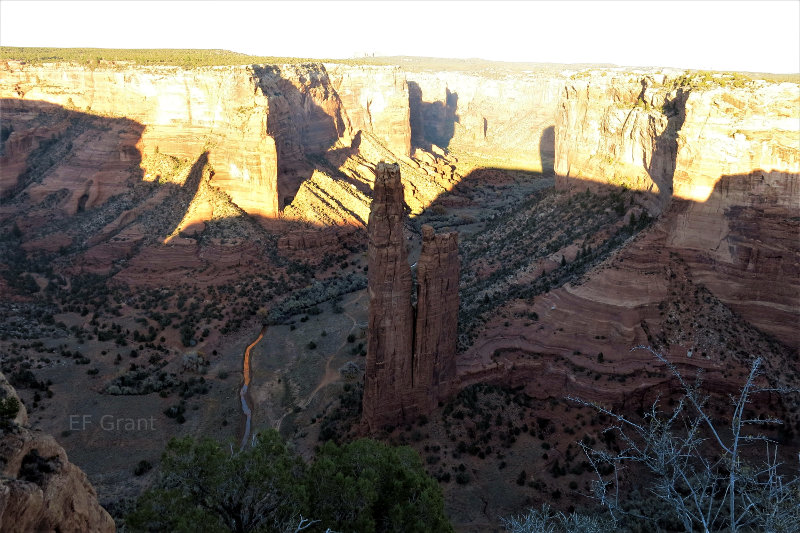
[245, 383]
[330, 375]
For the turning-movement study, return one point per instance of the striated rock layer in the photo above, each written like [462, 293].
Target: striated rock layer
[410, 362]
[184, 113]
[506, 117]
[40, 490]
[720, 161]
[258, 123]
[376, 100]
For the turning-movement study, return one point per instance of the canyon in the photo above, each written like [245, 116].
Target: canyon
[157, 210]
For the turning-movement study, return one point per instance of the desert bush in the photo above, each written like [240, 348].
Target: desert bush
[9, 407]
[361, 486]
[700, 469]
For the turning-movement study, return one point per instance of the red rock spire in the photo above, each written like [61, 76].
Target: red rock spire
[409, 369]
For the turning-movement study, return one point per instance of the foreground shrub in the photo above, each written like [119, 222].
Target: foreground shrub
[360, 486]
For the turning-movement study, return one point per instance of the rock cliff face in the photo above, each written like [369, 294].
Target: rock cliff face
[666, 135]
[376, 100]
[611, 129]
[40, 489]
[299, 141]
[409, 368]
[721, 162]
[506, 117]
[259, 124]
[183, 113]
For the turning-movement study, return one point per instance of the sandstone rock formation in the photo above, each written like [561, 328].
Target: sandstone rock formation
[725, 158]
[410, 364]
[506, 116]
[658, 132]
[391, 319]
[376, 100]
[40, 490]
[436, 330]
[257, 123]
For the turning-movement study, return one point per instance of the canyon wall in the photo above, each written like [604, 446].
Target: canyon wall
[505, 117]
[410, 355]
[293, 140]
[259, 124]
[671, 136]
[376, 100]
[183, 113]
[721, 161]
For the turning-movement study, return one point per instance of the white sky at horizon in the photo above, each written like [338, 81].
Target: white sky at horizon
[756, 36]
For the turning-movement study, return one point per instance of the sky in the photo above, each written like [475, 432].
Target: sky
[759, 36]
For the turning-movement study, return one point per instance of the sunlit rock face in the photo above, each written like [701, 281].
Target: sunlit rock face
[660, 134]
[719, 160]
[507, 117]
[410, 356]
[376, 100]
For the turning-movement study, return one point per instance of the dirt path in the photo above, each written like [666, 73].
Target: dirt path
[331, 374]
[245, 384]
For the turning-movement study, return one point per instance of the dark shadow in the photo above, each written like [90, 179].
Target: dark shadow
[78, 199]
[302, 130]
[416, 120]
[665, 151]
[432, 122]
[547, 150]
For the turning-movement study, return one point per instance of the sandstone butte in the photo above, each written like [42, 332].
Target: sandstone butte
[410, 353]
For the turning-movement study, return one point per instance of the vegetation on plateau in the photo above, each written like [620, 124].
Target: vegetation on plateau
[187, 58]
